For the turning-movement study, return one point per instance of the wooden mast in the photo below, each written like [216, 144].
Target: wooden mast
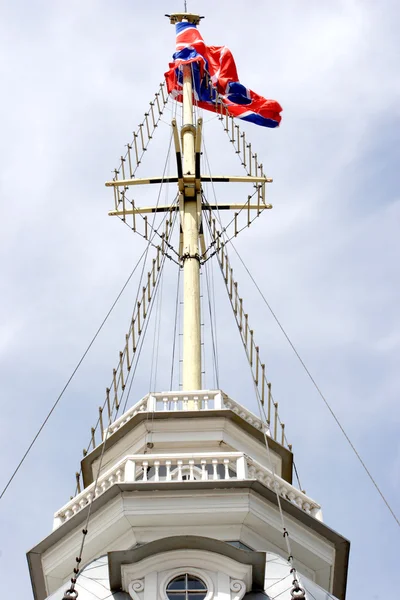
[191, 256]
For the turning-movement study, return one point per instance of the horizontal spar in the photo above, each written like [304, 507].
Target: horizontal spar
[189, 178]
[156, 209]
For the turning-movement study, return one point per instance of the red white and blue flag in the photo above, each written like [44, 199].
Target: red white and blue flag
[215, 64]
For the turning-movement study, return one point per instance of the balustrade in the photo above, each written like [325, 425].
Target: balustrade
[209, 466]
[184, 401]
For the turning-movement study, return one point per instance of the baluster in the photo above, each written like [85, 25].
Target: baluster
[175, 403]
[204, 474]
[226, 465]
[215, 465]
[185, 403]
[157, 470]
[196, 403]
[145, 464]
[165, 403]
[191, 473]
[168, 465]
[206, 403]
[179, 463]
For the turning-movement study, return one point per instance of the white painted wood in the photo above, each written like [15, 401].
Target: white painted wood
[143, 468]
[224, 586]
[188, 435]
[228, 514]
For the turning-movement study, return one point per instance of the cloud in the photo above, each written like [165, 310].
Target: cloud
[77, 81]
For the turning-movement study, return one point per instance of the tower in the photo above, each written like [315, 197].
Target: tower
[188, 495]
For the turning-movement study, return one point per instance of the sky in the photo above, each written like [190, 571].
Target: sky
[76, 81]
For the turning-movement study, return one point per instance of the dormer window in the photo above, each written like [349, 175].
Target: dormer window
[186, 587]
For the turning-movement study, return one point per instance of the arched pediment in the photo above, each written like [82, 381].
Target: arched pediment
[146, 571]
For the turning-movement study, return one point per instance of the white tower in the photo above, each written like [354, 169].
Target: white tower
[188, 495]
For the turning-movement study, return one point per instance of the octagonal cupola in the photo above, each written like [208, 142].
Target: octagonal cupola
[188, 495]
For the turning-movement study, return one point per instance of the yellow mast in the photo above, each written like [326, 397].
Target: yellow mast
[191, 255]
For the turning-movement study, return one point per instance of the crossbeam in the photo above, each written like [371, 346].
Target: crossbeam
[159, 209]
[192, 178]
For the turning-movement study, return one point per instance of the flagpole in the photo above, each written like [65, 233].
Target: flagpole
[191, 255]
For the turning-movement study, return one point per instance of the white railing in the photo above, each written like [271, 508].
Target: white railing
[184, 401]
[207, 466]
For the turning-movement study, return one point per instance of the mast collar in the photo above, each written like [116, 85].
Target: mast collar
[189, 17]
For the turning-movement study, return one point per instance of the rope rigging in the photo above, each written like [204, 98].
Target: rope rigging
[71, 592]
[318, 389]
[64, 389]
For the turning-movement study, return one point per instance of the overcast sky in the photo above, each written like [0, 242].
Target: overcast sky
[76, 80]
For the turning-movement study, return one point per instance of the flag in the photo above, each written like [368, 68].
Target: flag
[215, 80]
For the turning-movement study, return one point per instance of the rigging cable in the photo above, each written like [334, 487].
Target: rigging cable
[319, 390]
[223, 236]
[139, 350]
[145, 254]
[212, 327]
[72, 375]
[296, 591]
[175, 328]
[76, 570]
